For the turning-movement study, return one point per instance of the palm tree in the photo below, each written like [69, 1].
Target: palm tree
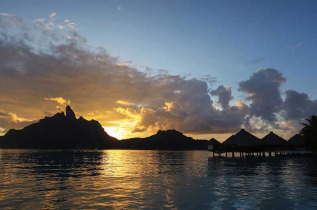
[309, 132]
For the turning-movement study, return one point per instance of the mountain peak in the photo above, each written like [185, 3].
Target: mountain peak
[58, 116]
[70, 113]
[59, 132]
[169, 132]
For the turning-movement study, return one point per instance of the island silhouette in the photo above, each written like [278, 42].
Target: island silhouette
[59, 132]
[65, 131]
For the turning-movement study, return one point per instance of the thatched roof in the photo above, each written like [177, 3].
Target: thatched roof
[296, 140]
[242, 138]
[272, 139]
[213, 142]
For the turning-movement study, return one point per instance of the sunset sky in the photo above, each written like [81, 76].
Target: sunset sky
[205, 68]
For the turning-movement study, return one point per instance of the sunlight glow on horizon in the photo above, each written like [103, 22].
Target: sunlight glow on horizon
[116, 132]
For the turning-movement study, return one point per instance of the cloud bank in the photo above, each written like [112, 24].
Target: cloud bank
[47, 64]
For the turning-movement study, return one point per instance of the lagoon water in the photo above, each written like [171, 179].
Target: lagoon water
[120, 179]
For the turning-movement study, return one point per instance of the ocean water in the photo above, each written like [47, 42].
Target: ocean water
[121, 179]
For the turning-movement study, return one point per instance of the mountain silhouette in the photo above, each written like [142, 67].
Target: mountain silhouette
[59, 132]
[164, 140]
[70, 115]
[67, 132]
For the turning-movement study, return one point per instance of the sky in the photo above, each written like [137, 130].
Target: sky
[205, 68]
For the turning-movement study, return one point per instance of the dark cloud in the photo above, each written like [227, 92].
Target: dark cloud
[2, 114]
[94, 81]
[41, 69]
[192, 111]
[224, 95]
[268, 111]
[298, 105]
[263, 89]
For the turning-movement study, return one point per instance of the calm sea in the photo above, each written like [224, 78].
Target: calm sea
[120, 179]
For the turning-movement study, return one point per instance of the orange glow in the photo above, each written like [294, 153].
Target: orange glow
[168, 106]
[122, 64]
[122, 129]
[59, 100]
[116, 132]
[239, 104]
[123, 102]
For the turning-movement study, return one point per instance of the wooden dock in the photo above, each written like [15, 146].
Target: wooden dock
[256, 151]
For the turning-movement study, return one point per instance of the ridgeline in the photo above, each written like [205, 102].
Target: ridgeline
[67, 132]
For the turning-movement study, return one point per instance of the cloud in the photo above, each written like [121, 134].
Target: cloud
[11, 120]
[9, 20]
[224, 95]
[38, 66]
[185, 105]
[122, 102]
[44, 24]
[52, 16]
[211, 80]
[263, 89]
[94, 82]
[49, 28]
[61, 101]
[39, 20]
[298, 105]
[268, 111]
[122, 64]
[61, 27]
[14, 118]
[168, 106]
[71, 25]
[6, 14]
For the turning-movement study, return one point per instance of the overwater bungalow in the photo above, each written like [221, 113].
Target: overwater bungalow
[242, 139]
[296, 141]
[273, 140]
[213, 141]
[247, 144]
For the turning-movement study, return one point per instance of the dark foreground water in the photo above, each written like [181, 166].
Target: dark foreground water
[120, 179]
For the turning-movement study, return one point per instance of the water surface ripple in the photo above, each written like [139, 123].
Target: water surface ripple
[119, 179]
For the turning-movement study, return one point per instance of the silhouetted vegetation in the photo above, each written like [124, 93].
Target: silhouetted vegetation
[309, 132]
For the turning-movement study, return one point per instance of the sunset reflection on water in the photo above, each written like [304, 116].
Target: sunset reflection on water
[153, 179]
